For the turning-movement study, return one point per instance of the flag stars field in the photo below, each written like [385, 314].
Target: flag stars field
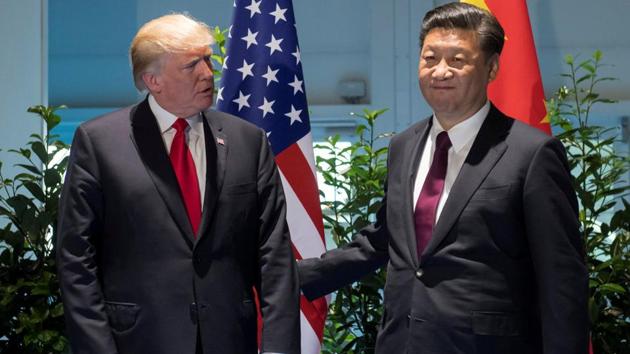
[278, 14]
[297, 85]
[250, 38]
[266, 107]
[220, 94]
[242, 100]
[294, 115]
[274, 44]
[271, 75]
[246, 69]
[297, 55]
[254, 8]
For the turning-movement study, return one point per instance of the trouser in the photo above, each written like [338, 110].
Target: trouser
[199, 349]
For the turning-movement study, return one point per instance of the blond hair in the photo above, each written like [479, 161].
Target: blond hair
[173, 33]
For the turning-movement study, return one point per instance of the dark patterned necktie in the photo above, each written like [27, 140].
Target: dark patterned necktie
[426, 206]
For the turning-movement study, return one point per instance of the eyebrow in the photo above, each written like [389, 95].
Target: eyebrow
[450, 50]
[197, 60]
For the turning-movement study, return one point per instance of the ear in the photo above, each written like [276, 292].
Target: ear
[152, 81]
[493, 65]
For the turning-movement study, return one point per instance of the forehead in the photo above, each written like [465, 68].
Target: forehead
[449, 38]
[189, 54]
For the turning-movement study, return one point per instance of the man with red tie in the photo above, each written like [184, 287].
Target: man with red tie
[172, 214]
[479, 224]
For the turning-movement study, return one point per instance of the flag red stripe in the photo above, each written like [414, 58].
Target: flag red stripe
[296, 253]
[315, 312]
[296, 170]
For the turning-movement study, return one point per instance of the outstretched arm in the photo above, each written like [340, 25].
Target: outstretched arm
[339, 267]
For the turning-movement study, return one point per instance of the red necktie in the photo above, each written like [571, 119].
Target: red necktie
[426, 206]
[184, 167]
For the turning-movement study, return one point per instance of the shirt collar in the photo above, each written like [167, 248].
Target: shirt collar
[165, 119]
[463, 132]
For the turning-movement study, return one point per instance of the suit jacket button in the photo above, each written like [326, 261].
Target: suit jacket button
[419, 273]
[194, 317]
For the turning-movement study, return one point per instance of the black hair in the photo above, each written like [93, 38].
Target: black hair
[463, 16]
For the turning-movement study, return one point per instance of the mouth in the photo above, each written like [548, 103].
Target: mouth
[207, 91]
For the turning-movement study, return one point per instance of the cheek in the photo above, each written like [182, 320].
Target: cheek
[424, 76]
[477, 82]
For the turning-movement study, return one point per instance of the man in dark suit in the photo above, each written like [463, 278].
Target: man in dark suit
[171, 215]
[479, 222]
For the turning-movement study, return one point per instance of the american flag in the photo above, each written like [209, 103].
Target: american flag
[262, 82]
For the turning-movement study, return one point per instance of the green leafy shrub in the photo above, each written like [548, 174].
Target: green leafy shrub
[219, 56]
[31, 311]
[356, 174]
[600, 181]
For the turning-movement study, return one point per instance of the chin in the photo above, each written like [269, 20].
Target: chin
[205, 104]
[439, 105]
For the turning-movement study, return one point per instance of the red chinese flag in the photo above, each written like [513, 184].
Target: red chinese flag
[517, 91]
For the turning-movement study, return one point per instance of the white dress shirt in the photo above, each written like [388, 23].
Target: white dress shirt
[462, 136]
[194, 138]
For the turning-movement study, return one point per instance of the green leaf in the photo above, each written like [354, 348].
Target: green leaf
[53, 121]
[52, 178]
[39, 150]
[24, 152]
[35, 190]
[30, 168]
[605, 100]
[592, 284]
[583, 78]
[19, 203]
[569, 59]
[616, 288]
[588, 67]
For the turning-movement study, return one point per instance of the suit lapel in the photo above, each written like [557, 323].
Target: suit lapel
[216, 155]
[488, 147]
[413, 154]
[146, 135]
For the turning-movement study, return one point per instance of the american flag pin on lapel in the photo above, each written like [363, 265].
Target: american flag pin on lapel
[220, 141]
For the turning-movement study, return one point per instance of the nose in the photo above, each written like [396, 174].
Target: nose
[206, 70]
[442, 71]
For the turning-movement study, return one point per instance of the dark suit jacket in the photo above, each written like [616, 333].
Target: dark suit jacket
[135, 279]
[504, 270]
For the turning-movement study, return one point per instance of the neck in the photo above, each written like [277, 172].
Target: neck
[447, 121]
[176, 111]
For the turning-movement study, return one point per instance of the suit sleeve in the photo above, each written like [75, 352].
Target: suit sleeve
[336, 268]
[557, 250]
[368, 251]
[279, 288]
[80, 216]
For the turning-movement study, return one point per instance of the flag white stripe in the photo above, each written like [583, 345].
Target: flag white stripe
[306, 145]
[310, 342]
[304, 234]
